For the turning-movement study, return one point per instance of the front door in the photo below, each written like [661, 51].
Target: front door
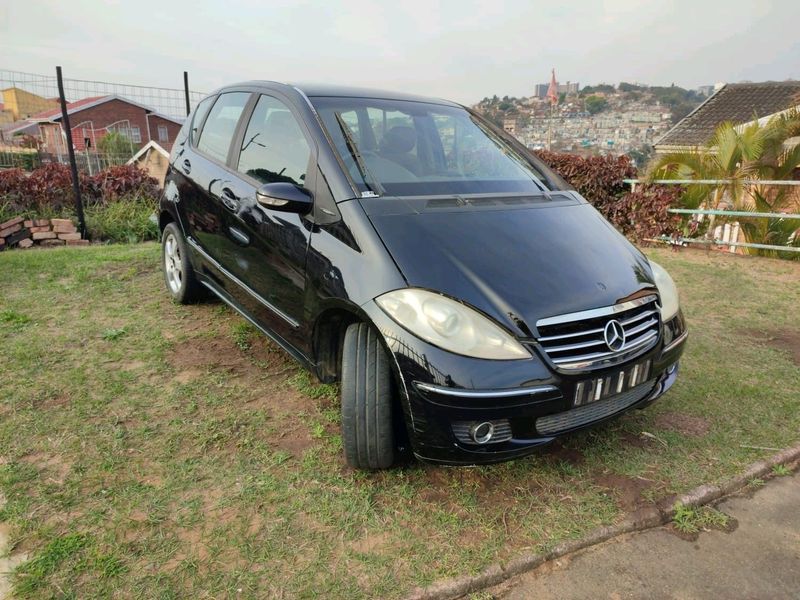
[271, 245]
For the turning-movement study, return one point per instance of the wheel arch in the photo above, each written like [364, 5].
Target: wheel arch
[165, 218]
[328, 337]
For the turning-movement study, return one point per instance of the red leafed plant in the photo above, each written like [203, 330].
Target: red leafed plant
[643, 215]
[47, 191]
[600, 179]
[123, 180]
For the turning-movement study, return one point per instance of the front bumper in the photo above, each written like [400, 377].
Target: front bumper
[442, 391]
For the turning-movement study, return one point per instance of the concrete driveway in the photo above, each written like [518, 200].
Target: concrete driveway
[759, 559]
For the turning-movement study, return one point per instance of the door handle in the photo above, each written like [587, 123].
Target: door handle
[229, 200]
[239, 235]
[187, 166]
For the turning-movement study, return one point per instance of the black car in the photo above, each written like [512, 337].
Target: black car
[471, 304]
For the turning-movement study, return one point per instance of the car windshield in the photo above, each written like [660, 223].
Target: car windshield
[406, 148]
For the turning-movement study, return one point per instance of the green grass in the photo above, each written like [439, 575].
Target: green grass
[150, 450]
[781, 471]
[693, 520]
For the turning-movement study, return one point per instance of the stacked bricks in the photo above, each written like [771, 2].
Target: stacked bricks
[21, 233]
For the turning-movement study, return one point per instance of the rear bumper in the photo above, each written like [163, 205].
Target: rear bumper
[444, 393]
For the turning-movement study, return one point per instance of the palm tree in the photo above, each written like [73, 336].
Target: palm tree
[755, 151]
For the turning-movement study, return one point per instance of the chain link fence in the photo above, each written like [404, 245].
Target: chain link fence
[31, 134]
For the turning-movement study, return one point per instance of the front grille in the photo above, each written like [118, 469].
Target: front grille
[583, 415]
[578, 340]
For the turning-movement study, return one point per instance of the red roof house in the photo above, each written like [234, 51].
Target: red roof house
[92, 118]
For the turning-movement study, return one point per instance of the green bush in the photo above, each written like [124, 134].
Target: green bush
[126, 220]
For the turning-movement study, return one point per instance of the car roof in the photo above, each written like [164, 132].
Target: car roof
[313, 90]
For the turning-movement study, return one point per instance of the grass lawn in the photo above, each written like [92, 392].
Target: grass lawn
[149, 450]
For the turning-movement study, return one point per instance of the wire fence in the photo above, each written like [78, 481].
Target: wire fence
[31, 134]
[167, 101]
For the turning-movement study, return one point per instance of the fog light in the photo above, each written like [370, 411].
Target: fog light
[671, 368]
[481, 433]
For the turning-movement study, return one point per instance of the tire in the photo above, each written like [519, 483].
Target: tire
[368, 394]
[179, 275]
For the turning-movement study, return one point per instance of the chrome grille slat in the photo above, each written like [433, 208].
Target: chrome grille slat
[641, 327]
[577, 340]
[570, 335]
[575, 346]
[638, 317]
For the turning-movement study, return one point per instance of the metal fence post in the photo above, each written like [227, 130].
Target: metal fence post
[76, 186]
[186, 92]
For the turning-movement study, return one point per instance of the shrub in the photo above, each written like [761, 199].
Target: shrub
[600, 179]
[642, 214]
[48, 189]
[126, 220]
[125, 180]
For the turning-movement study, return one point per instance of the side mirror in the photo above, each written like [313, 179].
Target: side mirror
[285, 197]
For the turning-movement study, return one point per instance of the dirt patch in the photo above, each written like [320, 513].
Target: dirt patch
[644, 440]
[557, 452]
[371, 543]
[197, 354]
[295, 441]
[627, 490]
[52, 468]
[686, 424]
[786, 341]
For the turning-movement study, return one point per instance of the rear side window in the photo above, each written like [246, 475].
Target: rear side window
[200, 112]
[274, 148]
[215, 138]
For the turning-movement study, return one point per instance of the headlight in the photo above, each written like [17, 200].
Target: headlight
[450, 325]
[667, 291]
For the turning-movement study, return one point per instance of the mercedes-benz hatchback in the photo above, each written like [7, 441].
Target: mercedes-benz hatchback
[471, 304]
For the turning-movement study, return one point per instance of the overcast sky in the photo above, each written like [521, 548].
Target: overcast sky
[462, 50]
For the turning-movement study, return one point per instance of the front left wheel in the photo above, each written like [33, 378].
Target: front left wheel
[178, 272]
[368, 404]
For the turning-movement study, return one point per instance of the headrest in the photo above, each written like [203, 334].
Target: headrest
[399, 140]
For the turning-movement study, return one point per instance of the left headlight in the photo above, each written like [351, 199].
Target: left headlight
[450, 325]
[667, 290]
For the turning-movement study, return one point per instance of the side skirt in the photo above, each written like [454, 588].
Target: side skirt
[225, 297]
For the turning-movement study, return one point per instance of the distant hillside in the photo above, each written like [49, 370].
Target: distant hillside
[674, 99]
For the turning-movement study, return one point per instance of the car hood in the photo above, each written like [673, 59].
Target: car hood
[516, 259]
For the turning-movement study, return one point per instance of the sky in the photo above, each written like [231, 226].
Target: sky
[461, 50]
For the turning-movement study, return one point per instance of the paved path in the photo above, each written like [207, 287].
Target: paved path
[760, 559]
[7, 563]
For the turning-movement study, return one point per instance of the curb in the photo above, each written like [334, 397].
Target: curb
[647, 518]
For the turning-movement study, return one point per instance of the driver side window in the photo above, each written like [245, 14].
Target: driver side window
[274, 148]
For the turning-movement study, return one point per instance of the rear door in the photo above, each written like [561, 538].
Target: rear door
[270, 246]
[203, 164]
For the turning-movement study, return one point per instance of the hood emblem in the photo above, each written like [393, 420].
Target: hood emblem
[614, 335]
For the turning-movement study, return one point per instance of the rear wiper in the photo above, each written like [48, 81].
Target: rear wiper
[372, 184]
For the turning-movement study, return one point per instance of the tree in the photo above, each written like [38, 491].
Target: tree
[641, 155]
[629, 87]
[604, 88]
[594, 104]
[756, 151]
[115, 145]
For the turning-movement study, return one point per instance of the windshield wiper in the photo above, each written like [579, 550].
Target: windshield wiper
[372, 184]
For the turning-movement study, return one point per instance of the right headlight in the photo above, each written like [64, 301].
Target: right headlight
[667, 290]
[450, 325]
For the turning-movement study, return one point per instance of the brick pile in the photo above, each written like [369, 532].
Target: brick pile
[21, 233]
